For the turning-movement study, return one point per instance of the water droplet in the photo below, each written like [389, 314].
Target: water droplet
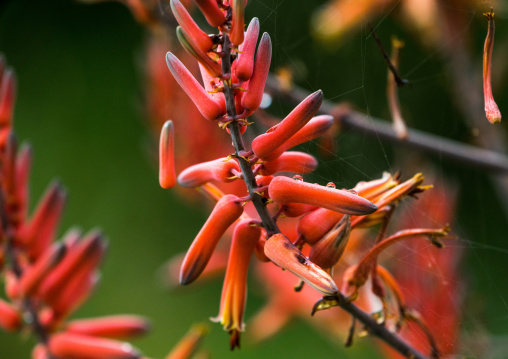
[330, 185]
[352, 191]
[298, 178]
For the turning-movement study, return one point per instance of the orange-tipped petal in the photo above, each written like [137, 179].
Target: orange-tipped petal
[296, 162]
[68, 345]
[213, 14]
[34, 275]
[252, 98]
[10, 318]
[491, 110]
[187, 346]
[282, 252]
[167, 175]
[287, 190]
[40, 232]
[266, 144]
[327, 252]
[202, 40]
[209, 108]
[236, 33]
[245, 61]
[212, 67]
[227, 210]
[216, 170]
[234, 289]
[113, 326]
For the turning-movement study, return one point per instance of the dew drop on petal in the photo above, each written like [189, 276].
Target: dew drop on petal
[330, 185]
[352, 191]
[298, 178]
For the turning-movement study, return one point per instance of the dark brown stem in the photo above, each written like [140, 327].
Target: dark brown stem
[234, 129]
[480, 158]
[271, 227]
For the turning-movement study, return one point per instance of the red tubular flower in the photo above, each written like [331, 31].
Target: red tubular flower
[237, 22]
[269, 145]
[40, 232]
[282, 252]
[297, 209]
[234, 290]
[287, 190]
[199, 37]
[7, 99]
[252, 98]
[69, 345]
[23, 162]
[296, 162]
[83, 252]
[209, 108]
[216, 170]
[210, 84]
[187, 42]
[167, 175]
[245, 61]
[113, 327]
[10, 318]
[35, 274]
[327, 252]
[491, 110]
[213, 14]
[227, 210]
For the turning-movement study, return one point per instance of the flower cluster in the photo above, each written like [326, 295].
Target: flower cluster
[47, 280]
[318, 217]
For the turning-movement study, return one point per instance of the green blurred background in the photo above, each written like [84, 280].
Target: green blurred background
[80, 101]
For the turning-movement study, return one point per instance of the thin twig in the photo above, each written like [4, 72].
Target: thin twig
[480, 158]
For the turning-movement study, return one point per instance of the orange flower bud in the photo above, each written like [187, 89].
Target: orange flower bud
[491, 110]
[209, 108]
[187, 42]
[212, 91]
[286, 190]
[296, 162]
[234, 289]
[252, 98]
[327, 251]
[227, 210]
[283, 253]
[113, 326]
[68, 345]
[213, 14]
[297, 209]
[167, 176]
[40, 231]
[10, 318]
[202, 40]
[186, 347]
[216, 170]
[34, 275]
[237, 22]
[40, 352]
[245, 61]
[23, 163]
[266, 144]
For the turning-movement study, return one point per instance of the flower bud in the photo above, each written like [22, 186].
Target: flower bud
[167, 175]
[208, 107]
[237, 22]
[297, 209]
[267, 143]
[227, 210]
[202, 40]
[252, 98]
[283, 253]
[10, 318]
[7, 97]
[201, 173]
[286, 190]
[491, 110]
[186, 347]
[213, 14]
[187, 42]
[327, 251]
[296, 162]
[113, 326]
[68, 345]
[245, 61]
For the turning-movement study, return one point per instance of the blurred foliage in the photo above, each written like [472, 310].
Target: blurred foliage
[80, 104]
